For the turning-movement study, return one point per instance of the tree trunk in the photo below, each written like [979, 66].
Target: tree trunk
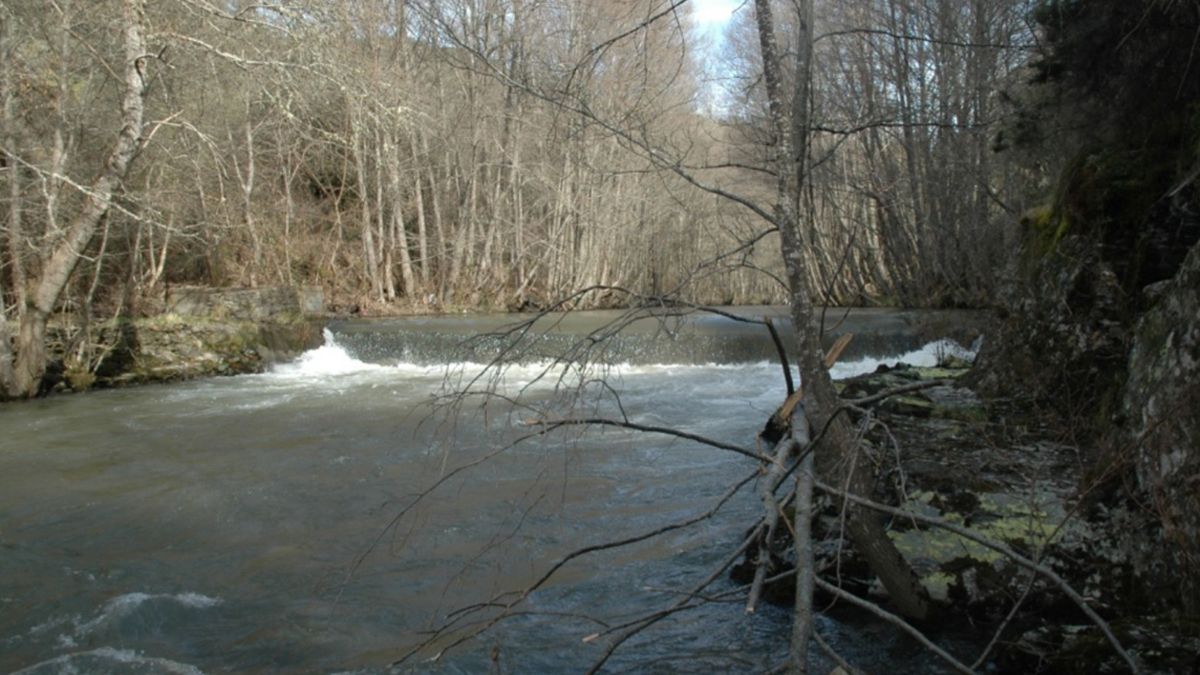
[836, 452]
[359, 148]
[31, 343]
[399, 234]
[422, 230]
[16, 236]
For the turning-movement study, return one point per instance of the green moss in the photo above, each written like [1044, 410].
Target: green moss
[939, 373]
[1044, 229]
[938, 585]
[1012, 519]
[80, 379]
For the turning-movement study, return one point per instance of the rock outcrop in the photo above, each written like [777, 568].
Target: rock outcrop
[1159, 436]
[1101, 330]
[205, 332]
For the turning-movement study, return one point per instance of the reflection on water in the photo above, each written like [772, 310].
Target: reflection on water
[249, 523]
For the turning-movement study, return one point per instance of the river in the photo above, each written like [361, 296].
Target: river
[270, 522]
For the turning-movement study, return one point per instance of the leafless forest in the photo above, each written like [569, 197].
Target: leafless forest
[491, 153]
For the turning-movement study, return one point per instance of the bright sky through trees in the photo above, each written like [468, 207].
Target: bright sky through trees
[711, 15]
[710, 18]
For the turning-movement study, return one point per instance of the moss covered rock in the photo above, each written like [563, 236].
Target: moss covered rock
[170, 347]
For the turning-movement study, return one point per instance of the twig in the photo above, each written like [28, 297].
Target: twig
[551, 425]
[837, 658]
[1003, 625]
[903, 389]
[783, 360]
[895, 621]
[729, 560]
[508, 607]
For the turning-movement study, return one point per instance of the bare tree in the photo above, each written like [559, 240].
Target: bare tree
[48, 285]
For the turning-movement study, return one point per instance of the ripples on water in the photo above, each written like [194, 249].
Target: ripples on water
[215, 525]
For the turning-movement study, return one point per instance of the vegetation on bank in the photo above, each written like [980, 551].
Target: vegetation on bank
[431, 155]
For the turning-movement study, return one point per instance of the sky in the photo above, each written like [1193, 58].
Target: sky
[711, 15]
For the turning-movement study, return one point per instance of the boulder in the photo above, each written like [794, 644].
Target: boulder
[1159, 436]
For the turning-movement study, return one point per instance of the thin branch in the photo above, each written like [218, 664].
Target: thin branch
[896, 391]
[1003, 625]
[551, 425]
[520, 596]
[771, 510]
[895, 621]
[909, 37]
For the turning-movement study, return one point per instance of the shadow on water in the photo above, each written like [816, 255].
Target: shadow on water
[215, 525]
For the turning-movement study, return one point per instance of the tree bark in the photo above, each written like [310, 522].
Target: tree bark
[16, 235]
[836, 451]
[30, 363]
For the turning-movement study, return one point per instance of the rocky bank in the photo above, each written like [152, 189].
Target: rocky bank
[202, 332]
[1014, 477]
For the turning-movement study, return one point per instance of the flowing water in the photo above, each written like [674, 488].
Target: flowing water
[262, 523]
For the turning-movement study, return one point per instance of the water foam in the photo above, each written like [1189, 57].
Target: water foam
[928, 356]
[90, 661]
[124, 605]
[330, 359]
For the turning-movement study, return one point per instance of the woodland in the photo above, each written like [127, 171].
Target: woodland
[409, 156]
[1039, 158]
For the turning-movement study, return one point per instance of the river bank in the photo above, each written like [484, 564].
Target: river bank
[198, 332]
[201, 332]
[1016, 477]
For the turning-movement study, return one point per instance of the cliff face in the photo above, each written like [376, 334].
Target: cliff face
[1100, 327]
[1158, 434]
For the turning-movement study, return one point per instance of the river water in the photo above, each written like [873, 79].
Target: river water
[271, 522]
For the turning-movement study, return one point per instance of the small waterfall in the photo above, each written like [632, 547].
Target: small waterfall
[328, 359]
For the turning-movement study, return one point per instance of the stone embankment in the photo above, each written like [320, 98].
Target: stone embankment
[203, 332]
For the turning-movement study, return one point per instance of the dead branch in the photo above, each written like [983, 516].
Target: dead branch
[456, 620]
[783, 360]
[766, 493]
[1003, 625]
[837, 658]
[895, 621]
[802, 616]
[896, 391]
[728, 562]
[835, 352]
[551, 425]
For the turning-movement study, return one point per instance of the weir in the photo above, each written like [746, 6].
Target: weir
[662, 337]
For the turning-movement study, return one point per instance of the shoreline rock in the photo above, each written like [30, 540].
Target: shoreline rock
[205, 332]
[1002, 471]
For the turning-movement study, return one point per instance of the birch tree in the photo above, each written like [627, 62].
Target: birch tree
[835, 453]
[47, 285]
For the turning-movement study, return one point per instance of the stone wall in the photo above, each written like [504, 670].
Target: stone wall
[204, 332]
[268, 302]
[171, 347]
